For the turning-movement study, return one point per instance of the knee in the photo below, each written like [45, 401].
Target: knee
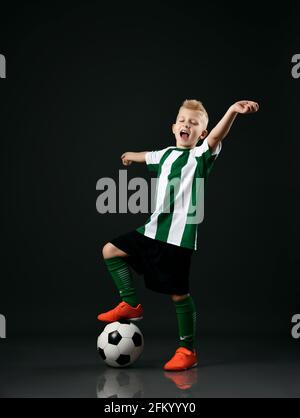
[176, 298]
[108, 251]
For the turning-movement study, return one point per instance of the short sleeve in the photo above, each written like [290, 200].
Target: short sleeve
[204, 148]
[206, 157]
[154, 158]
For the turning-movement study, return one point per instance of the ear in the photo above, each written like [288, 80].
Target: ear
[173, 129]
[203, 135]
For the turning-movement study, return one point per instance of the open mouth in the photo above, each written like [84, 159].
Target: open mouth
[184, 135]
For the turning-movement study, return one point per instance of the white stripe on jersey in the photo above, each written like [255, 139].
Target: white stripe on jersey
[182, 201]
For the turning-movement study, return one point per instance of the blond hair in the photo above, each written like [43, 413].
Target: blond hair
[198, 106]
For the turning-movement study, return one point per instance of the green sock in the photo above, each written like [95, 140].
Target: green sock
[186, 317]
[121, 275]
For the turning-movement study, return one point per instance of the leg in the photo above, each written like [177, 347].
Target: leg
[110, 251]
[119, 270]
[186, 317]
[185, 357]
[177, 298]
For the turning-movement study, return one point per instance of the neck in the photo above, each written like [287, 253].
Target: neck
[185, 148]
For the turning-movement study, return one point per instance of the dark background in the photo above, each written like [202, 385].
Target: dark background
[87, 82]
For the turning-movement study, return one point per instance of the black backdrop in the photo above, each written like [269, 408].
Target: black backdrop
[87, 82]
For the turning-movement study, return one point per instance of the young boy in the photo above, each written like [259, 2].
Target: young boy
[162, 249]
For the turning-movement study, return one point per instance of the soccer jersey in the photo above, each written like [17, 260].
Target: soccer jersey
[180, 175]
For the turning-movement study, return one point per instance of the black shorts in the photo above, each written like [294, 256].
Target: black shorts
[165, 267]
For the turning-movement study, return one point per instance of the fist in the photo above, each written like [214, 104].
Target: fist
[245, 106]
[126, 159]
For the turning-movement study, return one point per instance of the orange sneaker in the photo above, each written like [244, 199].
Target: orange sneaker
[122, 311]
[183, 359]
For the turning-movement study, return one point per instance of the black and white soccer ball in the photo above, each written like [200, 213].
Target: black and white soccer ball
[120, 344]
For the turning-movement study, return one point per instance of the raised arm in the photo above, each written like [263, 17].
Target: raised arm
[222, 129]
[133, 157]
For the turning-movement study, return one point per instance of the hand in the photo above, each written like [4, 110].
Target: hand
[126, 160]
[245, 106]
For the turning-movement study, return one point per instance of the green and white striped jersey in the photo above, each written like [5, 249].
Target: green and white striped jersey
[180, 175]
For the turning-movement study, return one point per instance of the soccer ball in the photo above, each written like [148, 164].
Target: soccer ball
[120, 344]
[119, 384]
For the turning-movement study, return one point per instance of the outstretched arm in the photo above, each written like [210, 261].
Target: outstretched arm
[133, 157]
[222, 129]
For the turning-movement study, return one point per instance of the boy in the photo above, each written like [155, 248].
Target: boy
[162, 249]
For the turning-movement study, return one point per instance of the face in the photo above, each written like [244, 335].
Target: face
[189, 128]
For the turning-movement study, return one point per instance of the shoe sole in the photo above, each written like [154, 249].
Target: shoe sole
[122, 319]
[135, 319]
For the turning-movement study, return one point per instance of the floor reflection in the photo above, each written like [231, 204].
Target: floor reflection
[121, 383]
[228, 369]
[183, 380]
[114, 383]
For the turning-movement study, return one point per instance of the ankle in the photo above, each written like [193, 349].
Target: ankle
[188, 347]
[131, 303]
